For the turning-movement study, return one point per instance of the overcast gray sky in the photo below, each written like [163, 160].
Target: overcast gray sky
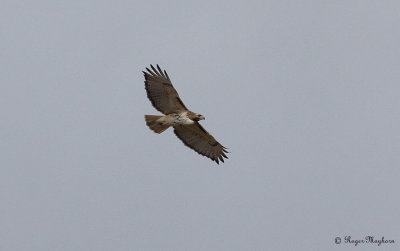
[305, 94]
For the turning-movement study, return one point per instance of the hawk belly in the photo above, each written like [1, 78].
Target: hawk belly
[176, 119]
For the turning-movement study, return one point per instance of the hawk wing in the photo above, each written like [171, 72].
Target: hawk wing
[197, 138]
[160, 91]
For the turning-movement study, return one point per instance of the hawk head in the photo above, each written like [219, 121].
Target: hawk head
[198, 117]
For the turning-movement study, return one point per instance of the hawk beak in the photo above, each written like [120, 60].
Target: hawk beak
[202, 117]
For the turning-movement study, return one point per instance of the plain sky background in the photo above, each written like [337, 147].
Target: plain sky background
[305, 94]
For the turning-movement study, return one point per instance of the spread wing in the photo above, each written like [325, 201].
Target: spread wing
[160, 91]
[197, 138]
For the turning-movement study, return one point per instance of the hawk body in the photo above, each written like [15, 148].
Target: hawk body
[175, 119]
[165, 99]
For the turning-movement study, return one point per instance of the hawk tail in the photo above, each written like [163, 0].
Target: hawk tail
[156, 126]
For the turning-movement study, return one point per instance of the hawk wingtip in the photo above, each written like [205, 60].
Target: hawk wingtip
[154, 69]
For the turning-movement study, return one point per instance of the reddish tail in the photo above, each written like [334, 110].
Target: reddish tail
[156, 126]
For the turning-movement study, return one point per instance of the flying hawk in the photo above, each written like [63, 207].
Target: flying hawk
[165, 99]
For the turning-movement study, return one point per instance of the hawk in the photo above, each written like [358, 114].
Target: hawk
[165, 99]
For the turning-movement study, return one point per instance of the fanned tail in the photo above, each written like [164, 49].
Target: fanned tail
[154, 124]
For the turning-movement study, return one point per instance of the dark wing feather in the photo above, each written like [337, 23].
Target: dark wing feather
[197, 138]
[161, 92]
